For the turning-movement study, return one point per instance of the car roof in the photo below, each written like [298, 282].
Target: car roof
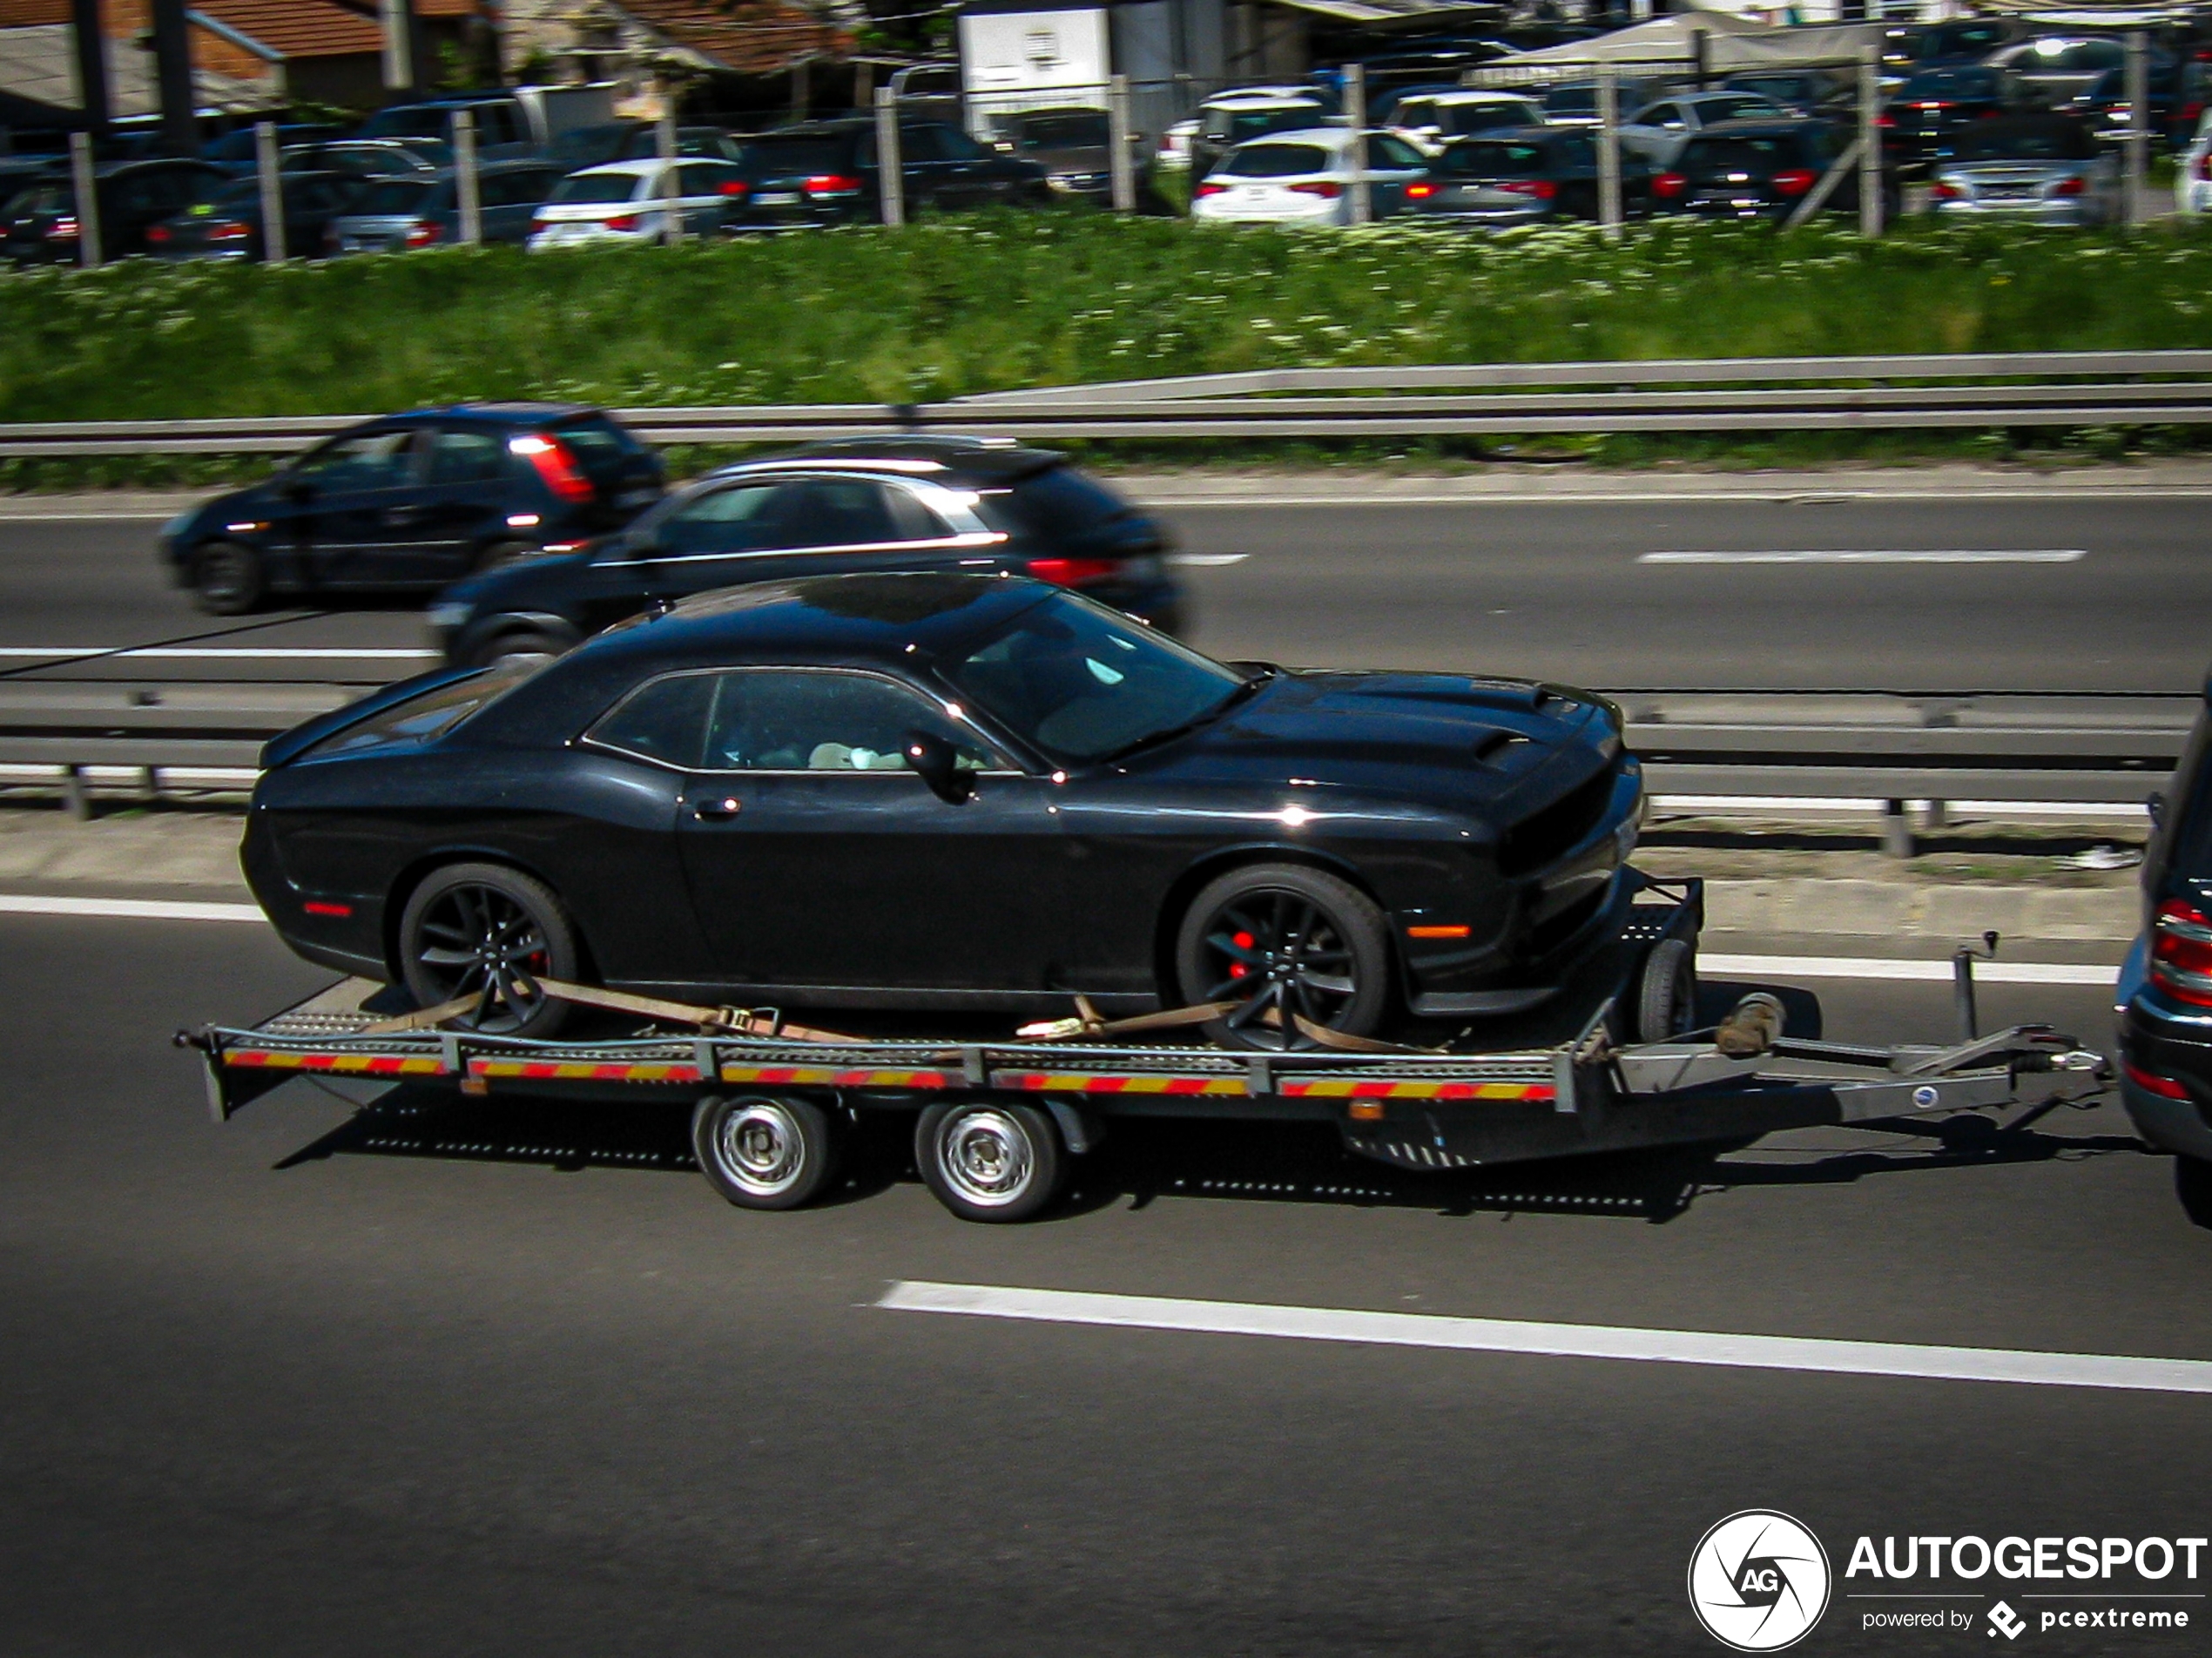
[1263, 97]
[1752, 126]
[1481, 95]
[983, 459]
[517, 414]
[1328, 136]
[634, 169]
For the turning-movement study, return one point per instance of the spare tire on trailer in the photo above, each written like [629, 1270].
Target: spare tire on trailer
[1666, 991]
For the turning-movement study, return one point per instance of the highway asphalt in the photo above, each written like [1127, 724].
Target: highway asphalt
[1557, 590]
[503, 1379]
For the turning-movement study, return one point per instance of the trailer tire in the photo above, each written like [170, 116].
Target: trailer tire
[988, 1162]
[1667, 991]
[763, 1152]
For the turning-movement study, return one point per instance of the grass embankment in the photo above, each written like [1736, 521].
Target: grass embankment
[949, 308]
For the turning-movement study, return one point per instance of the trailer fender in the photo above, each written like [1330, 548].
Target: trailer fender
[1080, 1129]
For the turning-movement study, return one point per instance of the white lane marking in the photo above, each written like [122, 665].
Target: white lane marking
[1207, 561]
[1714, 965]
[252, 653]
[1928, 556]
[2001, 810]
[1569, 497]
[1555, 1340]
[135, 909]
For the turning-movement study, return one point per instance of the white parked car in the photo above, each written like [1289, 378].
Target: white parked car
[628, 201]
[2193, 179]
[1174, 153]
[1306, 177]
[1430, 120]
[1658, 131]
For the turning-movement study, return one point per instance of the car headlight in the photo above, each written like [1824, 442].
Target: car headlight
[447, 617]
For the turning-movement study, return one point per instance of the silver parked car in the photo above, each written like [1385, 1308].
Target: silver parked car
[423, 210]
[2046, 168]
[1658, 131]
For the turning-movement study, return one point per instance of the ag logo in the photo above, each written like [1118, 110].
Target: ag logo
[1758, 1581]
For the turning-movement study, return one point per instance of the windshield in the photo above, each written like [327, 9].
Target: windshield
[1063, 131]
[408, 121]
[1493, 160]
[432, 714]
[776, 157]
[2025, 141]
[1951, 83]
[1278, 161]
[1484, 117]
[1572, 101]
[1081, 682]
[1237, 125]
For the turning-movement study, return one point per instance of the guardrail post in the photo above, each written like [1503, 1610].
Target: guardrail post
[88, 200]
[1609, 150]
[467, 194]
[1897, 830]
[1117, 136]
[268, 164]
[1362, 206]
[1870, 141]
[890, 170]
[2138, 124]
[75, 799]
[670, 190]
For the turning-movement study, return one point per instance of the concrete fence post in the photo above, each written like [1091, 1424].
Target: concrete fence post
[86, 185]
[890, 173]
[1117, 140]
[268, 165]
[1608, 151]
[1362, 205]
[467, 193]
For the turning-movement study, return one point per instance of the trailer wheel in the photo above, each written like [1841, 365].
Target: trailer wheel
[1667, 991]
[764, 1153]
[986, 1161]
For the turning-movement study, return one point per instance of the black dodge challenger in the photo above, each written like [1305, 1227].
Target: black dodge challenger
[950, 791]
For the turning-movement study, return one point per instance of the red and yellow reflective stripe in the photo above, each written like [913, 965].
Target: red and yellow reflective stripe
[273, 1059]
[1355, 1088]
[544, 1070]
[828, 1076]
[1097, 1083]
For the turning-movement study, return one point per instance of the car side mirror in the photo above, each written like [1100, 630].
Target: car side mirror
[937, 763]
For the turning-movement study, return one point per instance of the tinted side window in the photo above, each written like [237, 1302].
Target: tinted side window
[736, 519]
[837, 512]
[804, 720]
[1385, 151]
[467, 457]
[665, 721]
[370, 461]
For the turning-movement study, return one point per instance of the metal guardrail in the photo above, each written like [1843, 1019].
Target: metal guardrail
[2009, 746]
[1769, 393]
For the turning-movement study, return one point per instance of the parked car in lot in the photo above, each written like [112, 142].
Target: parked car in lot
[412, 501]
[2193, 177]
[1801, 91]
[1524, 177]
[1432, 120]
[424, 210]
[825, 173]
[1658, 132]
[229, 226]
[2165, 992]
[874, 503]
[2046, 168]
[1305, 179]
[1758, 169]
[239, 150]
[1958, 40]
[2175, 91]
[636, 201]
[1243, 113]
[368, 157]
[943, 790]
[1073, 147]
[594, 146]
[2052, 70]
[520, 122]
[132, 198]
[1574, 102]
[1931, 109]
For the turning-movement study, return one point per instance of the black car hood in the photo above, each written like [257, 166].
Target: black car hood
[535, 581]
[1449, 740]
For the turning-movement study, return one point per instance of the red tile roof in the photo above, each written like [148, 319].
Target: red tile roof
[298, 28]
[751, 38]
[23, 14]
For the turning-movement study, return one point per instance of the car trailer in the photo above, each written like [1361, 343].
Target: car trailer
[999, 1120]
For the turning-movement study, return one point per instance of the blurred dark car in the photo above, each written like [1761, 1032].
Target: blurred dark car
[2176, 92]
[412, 501]
[420, 210]
[594, 146]
[1523, 178]
[237, 151]
[1958, 40]
[368, 157]
[1925, 114]
[2046, 169]
[1806, 92]
[1072, 145]
[229, 228]
[824, 172]
[131, 197]
[855, 504]
[1758, 169]
[2054, 70]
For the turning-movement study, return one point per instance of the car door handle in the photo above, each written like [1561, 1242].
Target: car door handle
[720, 810]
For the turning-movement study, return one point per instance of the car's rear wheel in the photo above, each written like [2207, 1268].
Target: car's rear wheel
[987, 1161]
[489, 933]
[227, 579]
[1285, 943]
[528, 646]
[764, 1153]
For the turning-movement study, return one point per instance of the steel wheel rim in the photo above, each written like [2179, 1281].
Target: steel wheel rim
[1277, 952]
[986, 1157]
[760, 1149]
[479, 941]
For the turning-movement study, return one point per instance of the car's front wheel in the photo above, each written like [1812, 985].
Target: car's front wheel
[488, 934]
[227, 579]
[529, 647]
[1285, 943]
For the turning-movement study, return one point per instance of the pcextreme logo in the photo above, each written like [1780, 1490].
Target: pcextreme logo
[1759, 1581]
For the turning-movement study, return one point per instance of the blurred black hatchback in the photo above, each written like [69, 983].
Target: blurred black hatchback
[413, 501]
[897, 504]
[824, 172]
[1751, 169]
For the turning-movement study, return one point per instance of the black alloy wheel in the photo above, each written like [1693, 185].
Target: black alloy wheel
[488, 934]
[1285, 943]
[227, 579]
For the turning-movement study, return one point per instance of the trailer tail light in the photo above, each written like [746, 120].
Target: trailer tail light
[1074, 572]
[554, 464]
[1327, 189]
[422, 235]
[2181, 953]
[1795, 181]
[1210, 188]
[832, 184]
[1539, 189]
[1668, 185]
[2164, 1086]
